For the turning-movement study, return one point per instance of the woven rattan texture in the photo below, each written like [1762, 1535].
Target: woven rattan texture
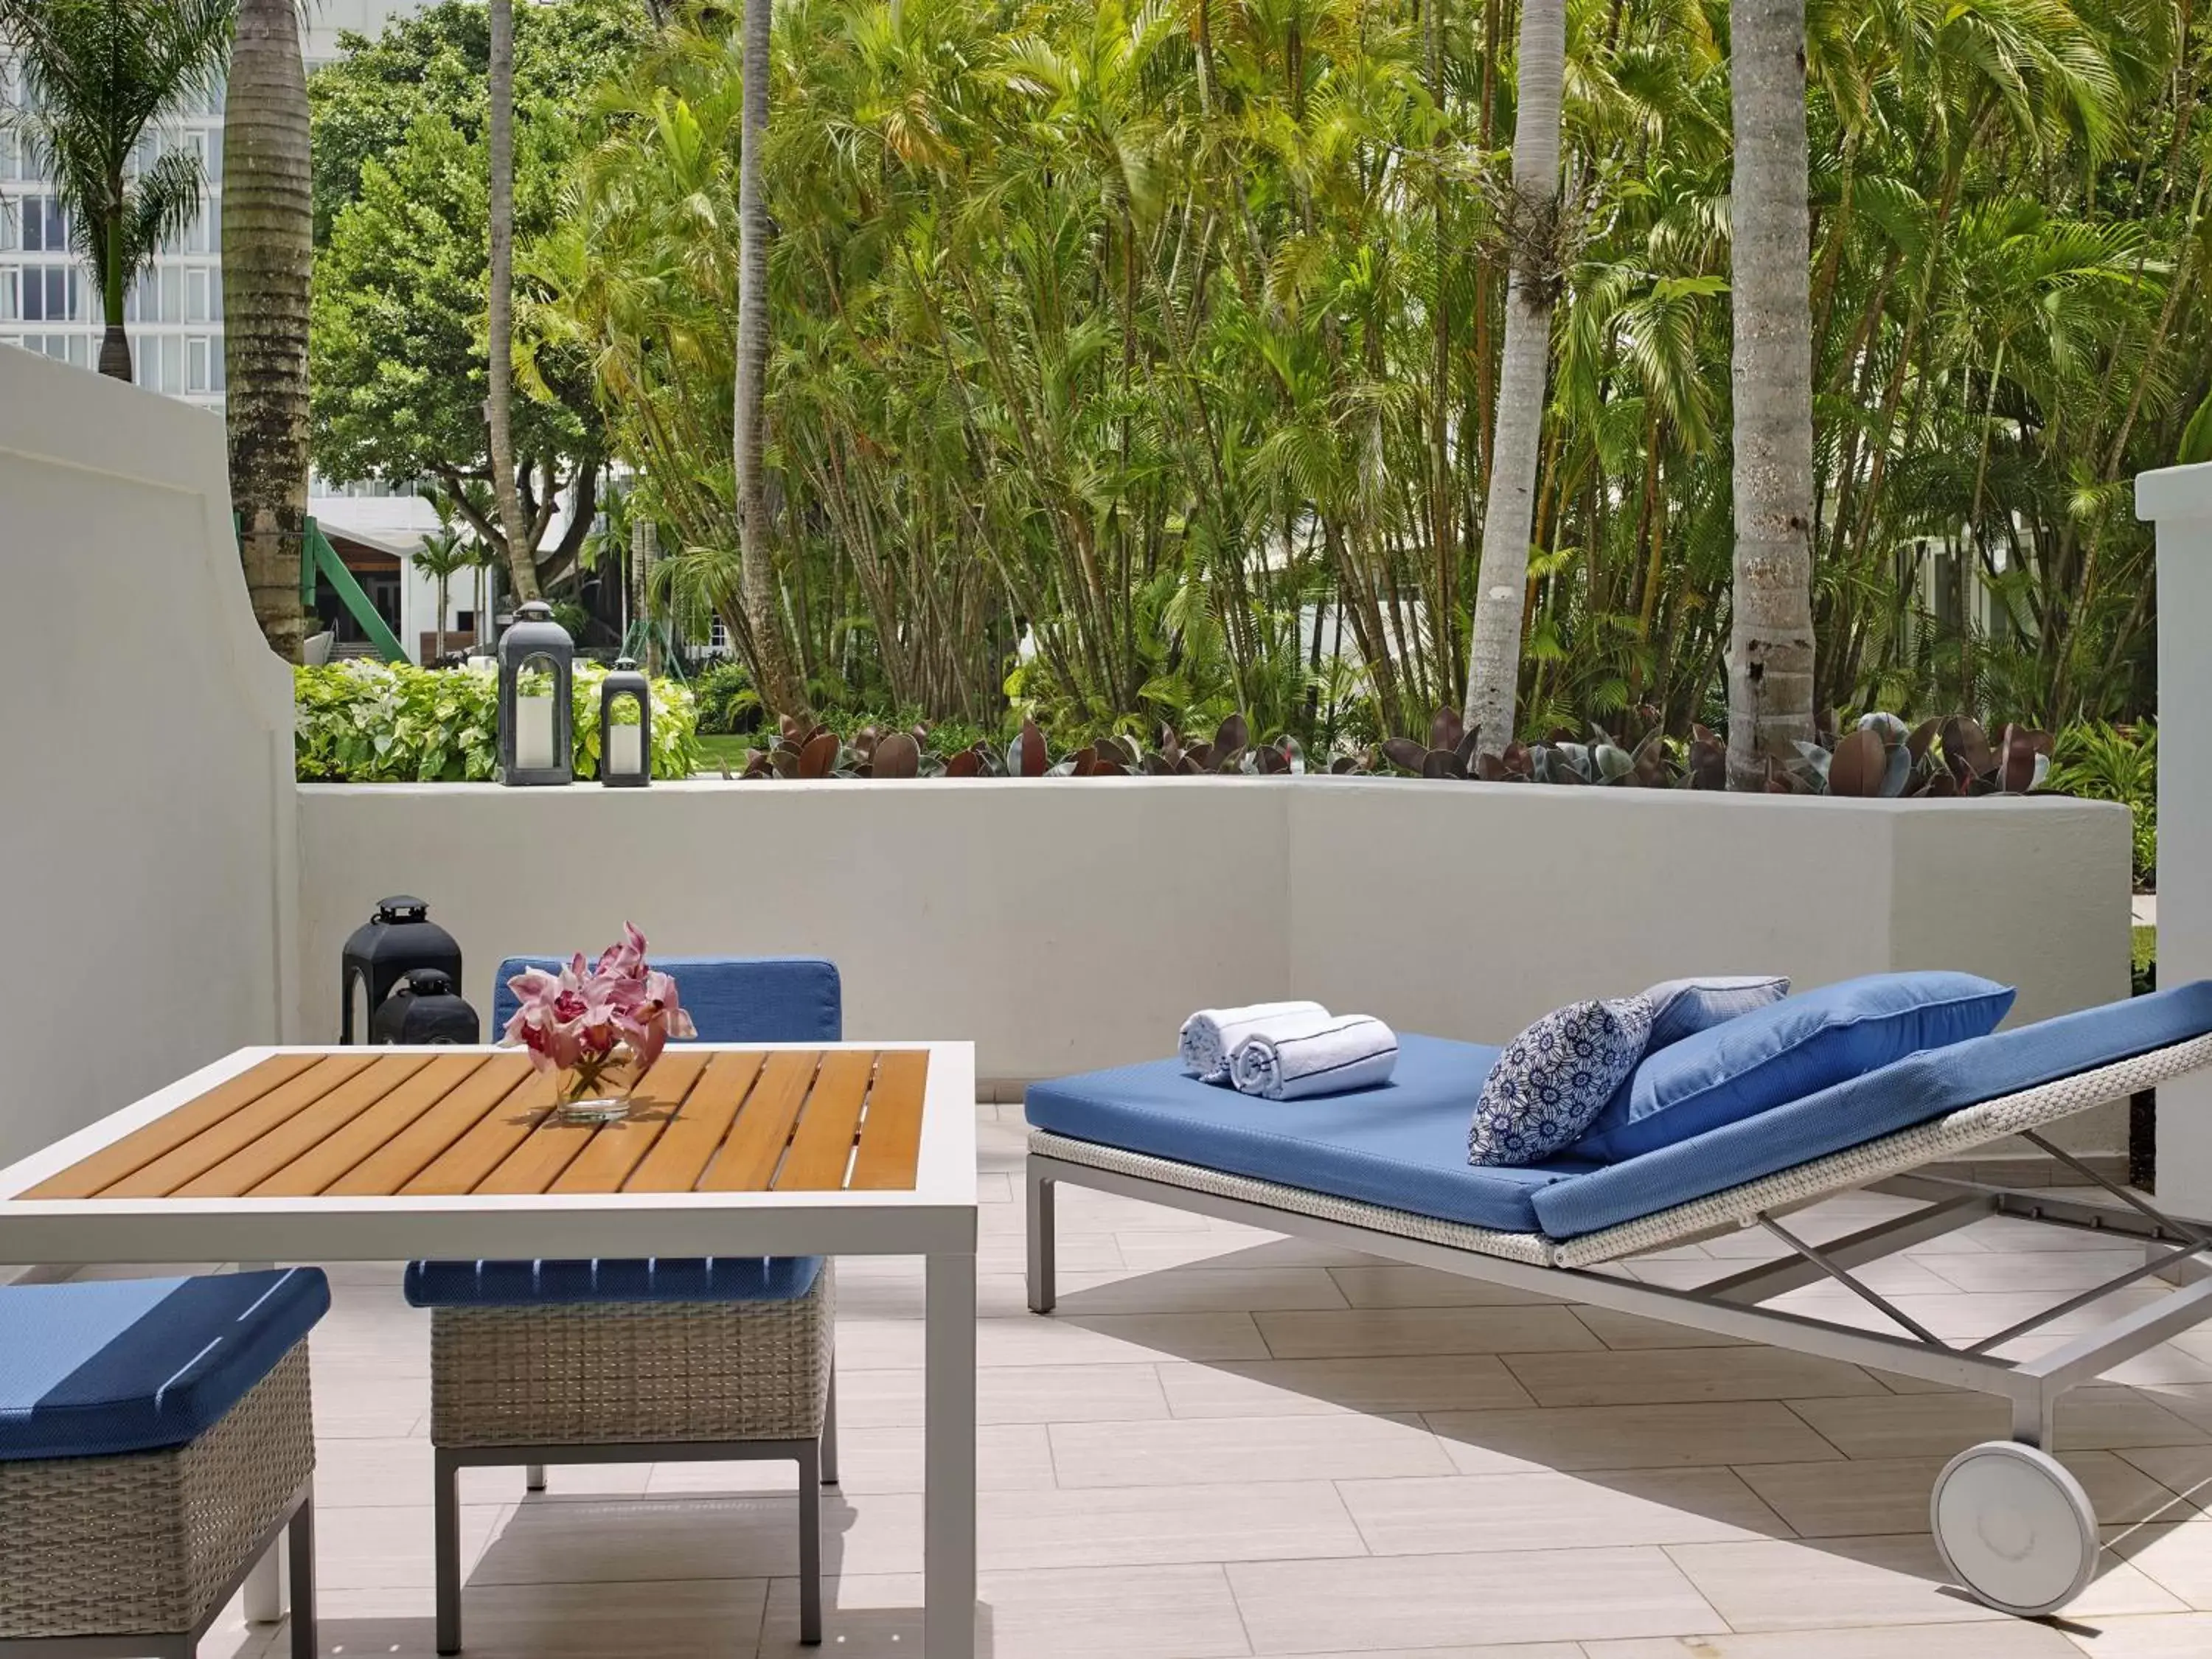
[631, 1373]
[146, 1542]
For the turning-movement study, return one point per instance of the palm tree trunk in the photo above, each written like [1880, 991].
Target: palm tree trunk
[1770, 645]
[267, 252]
[779, 682]
[522, 555]
[644, 548]
[114, 282]
[1493, 674]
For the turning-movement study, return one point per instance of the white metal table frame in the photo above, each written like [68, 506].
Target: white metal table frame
[935, 1220]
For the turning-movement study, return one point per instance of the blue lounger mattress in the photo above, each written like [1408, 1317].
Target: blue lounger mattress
[1403, 1145]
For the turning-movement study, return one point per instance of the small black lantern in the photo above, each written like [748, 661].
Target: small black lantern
[625, 749]
[536, 676]
[424, 1007]
[400, 937]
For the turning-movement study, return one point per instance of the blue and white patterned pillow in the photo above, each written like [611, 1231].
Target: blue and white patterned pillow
[1549, 1083]
[1684, 1007]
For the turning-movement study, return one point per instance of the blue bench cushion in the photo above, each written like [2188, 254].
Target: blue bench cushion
[670, 1279]
[1404, 1145]
[138, 1364]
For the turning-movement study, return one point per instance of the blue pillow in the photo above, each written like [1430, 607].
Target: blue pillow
[1791, 1048]
[1684, 1007]
[1549, 1082]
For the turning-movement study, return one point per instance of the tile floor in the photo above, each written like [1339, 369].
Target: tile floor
[1228, 1443]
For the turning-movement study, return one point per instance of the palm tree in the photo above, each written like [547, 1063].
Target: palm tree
[780, 685]
[499, 404]
[445, 553]
[1493, 677]
[268, 231]
[98, 73]
[1770, 673]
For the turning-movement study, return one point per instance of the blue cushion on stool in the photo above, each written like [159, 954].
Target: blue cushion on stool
[670, 1279]
[137, 1365]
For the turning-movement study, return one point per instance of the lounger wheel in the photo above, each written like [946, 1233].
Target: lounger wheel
[2013, 1526]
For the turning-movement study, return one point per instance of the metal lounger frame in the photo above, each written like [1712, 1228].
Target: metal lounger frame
[1731, 1306]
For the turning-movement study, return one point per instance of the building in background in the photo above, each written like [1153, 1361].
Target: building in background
[48, 304]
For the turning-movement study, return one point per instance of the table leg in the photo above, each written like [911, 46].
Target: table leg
[264, 1585]
[948, 1548]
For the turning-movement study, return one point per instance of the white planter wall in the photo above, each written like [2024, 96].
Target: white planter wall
[147, 826]
[1067, 924]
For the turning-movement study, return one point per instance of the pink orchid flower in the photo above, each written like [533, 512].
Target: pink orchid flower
[577, 1019]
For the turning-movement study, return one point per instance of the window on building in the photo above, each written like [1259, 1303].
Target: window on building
[49, 293]
[172, 362]
[10, 304]
[199, 377]
[44, 224]
[196, 295]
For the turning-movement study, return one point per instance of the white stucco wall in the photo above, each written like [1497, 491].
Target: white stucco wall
[1064, 923]
[147, 829]
[2179, 500]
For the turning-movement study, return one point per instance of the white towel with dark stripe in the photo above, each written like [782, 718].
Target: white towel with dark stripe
[1211, 1034]
[1329, 1056]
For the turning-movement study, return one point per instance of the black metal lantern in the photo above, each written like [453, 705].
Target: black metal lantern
[537, 674]
[399, 938]
[424, 1007]
[625, 750]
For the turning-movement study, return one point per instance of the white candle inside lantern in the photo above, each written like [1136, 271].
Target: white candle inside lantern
[625, 756]
[533, 734]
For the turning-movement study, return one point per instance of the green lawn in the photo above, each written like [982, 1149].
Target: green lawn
[715, 747]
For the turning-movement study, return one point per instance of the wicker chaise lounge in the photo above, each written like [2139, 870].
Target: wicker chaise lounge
[155, 1439]
[1386, 1171]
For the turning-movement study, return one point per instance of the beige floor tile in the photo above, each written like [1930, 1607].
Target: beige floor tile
[1512, 1651]
[1670, 1376]
[1115, 1612]
[2070, 1271]
[1009, 1457]
[2175, 1636]
[1085, 1209]
[2186, 1470]
[389, 1547]
[754, 1535]
[1010, 1393]
[1297, 1387]
[1071, 1339]
[1871, 1496]
[1151, 1526]
[1198, 1290]
[1393, 1284]
[1622, 1330]
[1234, 1250]
[1378, 1332]
[713, 1619]
[1569, 1438]
[2009, 1236]
[1438, 1600]
[2011, 1638]
[1863, 1583]
[397, 1473]
[1457, 1513]
[1197, 1450]
[1939, 1424]
[2177, 1558]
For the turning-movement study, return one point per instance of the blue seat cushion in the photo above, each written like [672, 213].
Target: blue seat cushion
[668, 1279]
[730, 999]
[139, 1364]
[1403, 1144]
[1737, 1068]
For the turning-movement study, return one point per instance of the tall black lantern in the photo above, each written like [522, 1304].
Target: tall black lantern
[399, 939]
[537, 672]
[625, 750]
[423, 1008]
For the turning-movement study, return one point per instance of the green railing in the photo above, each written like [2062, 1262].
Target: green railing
[320, 561]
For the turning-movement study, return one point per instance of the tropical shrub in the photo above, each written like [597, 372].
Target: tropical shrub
[2109, 762]
[727, 703]
[365, 722]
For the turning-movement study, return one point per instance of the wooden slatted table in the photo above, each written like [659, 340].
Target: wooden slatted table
[377, 1154]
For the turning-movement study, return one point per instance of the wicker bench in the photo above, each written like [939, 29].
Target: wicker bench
[156, 1438]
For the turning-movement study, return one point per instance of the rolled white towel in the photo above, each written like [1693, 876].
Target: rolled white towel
[1211, 1034]
[1331, 1055]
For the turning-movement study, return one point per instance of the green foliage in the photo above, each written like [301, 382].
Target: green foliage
[361, 722]
[2143, 962]
[728, 702]
[399, 330]
[2108, 762]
